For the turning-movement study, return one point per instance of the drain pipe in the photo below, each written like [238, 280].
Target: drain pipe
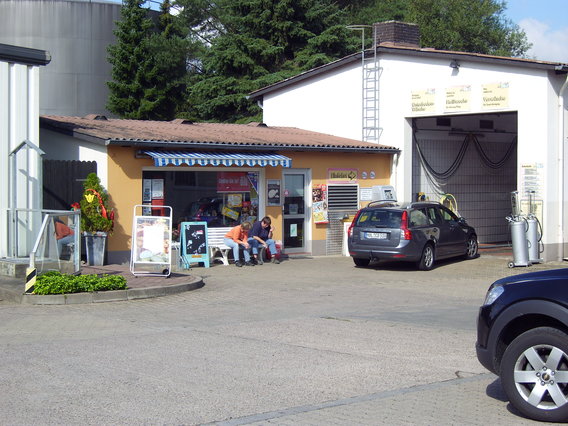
[561, 131]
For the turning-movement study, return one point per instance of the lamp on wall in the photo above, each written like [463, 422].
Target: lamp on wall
[455, 64]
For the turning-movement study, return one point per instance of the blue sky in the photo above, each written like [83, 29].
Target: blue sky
[546, 24]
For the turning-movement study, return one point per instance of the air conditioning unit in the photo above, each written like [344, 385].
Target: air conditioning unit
[383, 193]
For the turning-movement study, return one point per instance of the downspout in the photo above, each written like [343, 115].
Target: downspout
[561, 131]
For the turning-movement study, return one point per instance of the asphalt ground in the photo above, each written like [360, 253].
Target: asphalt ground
[309, 341]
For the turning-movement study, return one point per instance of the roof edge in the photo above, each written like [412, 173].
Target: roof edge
[24, 55]
[557, 67]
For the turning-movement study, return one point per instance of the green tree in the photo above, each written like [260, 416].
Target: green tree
[127, 58]
[253, 43]
[477, 26]
[149, 64]
[163, 73]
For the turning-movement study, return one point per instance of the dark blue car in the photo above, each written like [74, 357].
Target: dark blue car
[522, 336]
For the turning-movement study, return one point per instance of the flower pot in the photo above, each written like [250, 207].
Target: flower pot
[95, 244]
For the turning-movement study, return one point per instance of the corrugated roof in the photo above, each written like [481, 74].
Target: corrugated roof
[389, 48]
[178, 134]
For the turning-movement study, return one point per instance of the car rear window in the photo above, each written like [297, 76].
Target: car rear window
[380, 219]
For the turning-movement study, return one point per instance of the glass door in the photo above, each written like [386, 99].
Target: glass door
[295, 212]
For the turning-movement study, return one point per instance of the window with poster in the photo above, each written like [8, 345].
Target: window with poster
[220, 198]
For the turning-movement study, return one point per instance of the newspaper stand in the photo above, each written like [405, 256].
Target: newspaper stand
[150, 253]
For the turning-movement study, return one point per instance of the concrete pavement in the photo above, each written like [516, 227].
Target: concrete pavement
[309, 341]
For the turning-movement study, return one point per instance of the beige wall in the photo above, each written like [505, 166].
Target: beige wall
[125, 184]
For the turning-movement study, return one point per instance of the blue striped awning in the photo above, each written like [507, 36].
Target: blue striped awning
[177, 158]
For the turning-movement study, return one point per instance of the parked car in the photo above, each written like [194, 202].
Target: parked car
[522, 336]
[418, 232]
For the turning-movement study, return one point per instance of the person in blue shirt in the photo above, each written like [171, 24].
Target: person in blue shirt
[261, 235]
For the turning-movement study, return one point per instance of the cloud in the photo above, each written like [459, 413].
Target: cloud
[548, 45]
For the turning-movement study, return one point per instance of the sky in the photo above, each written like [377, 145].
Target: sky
[545, 22]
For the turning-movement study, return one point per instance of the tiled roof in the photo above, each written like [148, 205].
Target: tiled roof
[178, 134]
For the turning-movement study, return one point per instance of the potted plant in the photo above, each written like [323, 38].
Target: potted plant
[97, 220]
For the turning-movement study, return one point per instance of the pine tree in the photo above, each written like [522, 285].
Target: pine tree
[164, 72]
[254, 43]
[128, 57]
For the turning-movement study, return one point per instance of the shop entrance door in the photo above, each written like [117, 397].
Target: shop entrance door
[296, 224]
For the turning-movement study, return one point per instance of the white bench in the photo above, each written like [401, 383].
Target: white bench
[218, 250]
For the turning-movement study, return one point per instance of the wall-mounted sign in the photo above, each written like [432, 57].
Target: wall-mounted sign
[157, 188]
[319, 203]
[495, 96]
[458, 98]
[273, 192]
[363, 175]
[342, 175]
[423, 101]
[146, 190]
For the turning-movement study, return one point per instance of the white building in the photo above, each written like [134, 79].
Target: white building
[20, 186]
[474, 126]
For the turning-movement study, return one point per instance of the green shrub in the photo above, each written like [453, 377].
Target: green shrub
[54, 282]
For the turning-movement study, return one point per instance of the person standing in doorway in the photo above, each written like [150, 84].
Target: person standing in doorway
[261, 235]
[238, 237]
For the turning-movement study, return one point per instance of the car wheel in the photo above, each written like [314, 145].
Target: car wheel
[361, 262]
[471, 247]
[426, 262]
[534, 374]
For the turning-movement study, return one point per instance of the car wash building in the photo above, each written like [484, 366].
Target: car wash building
[223, 174]
[471, 128]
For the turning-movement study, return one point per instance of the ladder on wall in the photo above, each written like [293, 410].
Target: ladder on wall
[371, 73]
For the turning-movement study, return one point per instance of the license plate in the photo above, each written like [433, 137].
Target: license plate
[376, 235]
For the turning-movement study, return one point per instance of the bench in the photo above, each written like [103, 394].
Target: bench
[218, 250]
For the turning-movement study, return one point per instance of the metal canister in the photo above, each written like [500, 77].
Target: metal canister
[519, 227]
[533, 238]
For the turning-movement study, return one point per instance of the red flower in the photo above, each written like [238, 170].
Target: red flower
[76, 206]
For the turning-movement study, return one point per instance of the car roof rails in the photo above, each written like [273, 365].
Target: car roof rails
[382, 203]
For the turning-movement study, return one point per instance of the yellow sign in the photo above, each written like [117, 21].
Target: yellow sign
[230, 213]
[423, 101]
[342, 175]
[458, 98]
[495, 96]
[89, 197]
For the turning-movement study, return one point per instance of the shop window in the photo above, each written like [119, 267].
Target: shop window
[343, 197]
[220, 198]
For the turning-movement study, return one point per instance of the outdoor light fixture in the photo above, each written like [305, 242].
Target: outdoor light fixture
[455, 64]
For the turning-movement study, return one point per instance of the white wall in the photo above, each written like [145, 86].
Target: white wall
[331, 103]
[19, 118]
[58, 146]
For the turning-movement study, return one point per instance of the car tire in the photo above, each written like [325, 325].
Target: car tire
[534, 374]
[426, 262]
[472, 248]
[361, 262]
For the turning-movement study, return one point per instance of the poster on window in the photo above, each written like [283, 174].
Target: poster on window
[319, 203]
[273, 192]
[152, 239]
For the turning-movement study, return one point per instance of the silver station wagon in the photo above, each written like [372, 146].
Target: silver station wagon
[418, 232]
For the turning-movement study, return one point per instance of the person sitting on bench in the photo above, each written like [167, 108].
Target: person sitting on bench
[63, 234]
[261, 234]
[238, 237]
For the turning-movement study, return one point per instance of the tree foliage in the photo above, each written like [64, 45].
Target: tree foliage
[252, 43]
[477, 26]
[203, 61]
[149, 64]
